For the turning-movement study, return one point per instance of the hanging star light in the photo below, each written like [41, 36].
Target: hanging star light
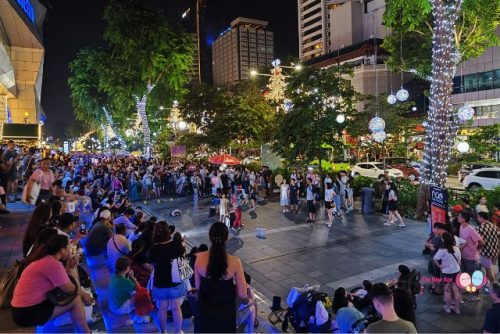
[379, 137]
[392, 99]
[376, 124]
[465, 112]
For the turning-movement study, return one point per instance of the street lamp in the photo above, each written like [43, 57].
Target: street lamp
[253, 73]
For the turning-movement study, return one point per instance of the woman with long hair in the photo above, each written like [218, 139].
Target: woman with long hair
[329, 204]
[392, 203]
[216, 273]
[39, 219]
[404, 304]
[167, 293]
[340, 300]
[448, 259]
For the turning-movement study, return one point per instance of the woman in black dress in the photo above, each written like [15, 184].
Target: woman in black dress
[216, 274]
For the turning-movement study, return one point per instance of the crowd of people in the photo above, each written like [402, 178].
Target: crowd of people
[142, 253]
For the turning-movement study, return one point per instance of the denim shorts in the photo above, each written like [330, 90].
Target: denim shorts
[175, 292]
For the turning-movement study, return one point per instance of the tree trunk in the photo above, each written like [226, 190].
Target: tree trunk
[109, 119]
[442, 125]
[141, 110]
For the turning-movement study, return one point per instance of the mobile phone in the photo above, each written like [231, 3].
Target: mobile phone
[83, 229]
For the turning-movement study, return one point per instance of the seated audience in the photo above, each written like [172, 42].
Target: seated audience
[492, 320]
[99, 234]
[39, 220]
[118, 246]
[142, 269]
[340, 300]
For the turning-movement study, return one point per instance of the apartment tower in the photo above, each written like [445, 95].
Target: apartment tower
[245, 45]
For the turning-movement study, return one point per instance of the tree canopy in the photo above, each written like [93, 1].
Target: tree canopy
[235, 112]
[413, 21]
[318, 96]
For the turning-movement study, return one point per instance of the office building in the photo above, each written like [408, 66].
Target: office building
[477, 83]
[244, 46]
[21, 68]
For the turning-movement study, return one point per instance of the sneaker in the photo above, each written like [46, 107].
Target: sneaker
[388, 224]
[447, 309]
[329, 225]
[142, 319]
[402, 225]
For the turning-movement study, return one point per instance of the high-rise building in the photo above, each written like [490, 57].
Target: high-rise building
[244, 46]
[313, 32]
[21, 69]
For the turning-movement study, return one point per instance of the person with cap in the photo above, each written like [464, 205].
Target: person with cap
[383, 301]
[99, 234]
[349, 320]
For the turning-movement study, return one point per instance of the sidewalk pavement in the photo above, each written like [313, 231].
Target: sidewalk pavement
[296, 253]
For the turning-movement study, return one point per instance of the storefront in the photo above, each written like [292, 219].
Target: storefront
[21, 69]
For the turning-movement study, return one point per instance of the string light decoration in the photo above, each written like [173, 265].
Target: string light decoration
[277, 84]
[141, 111]
[442, 124]
[3, 108]
[111, 124]
[465, 113]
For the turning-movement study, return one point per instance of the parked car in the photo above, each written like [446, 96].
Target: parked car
[468, 168]
[375, 170]
[487, 178]
[403, 164]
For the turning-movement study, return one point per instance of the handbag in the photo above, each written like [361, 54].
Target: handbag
[181, 270]
[58, 297]
[34, 192]
[7, 285]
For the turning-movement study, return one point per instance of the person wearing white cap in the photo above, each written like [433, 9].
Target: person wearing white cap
[99, 234]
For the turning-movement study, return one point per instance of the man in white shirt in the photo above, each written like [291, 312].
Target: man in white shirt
[118, 246]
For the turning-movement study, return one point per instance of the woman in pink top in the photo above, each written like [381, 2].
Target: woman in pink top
[45, 177]
[30, 306]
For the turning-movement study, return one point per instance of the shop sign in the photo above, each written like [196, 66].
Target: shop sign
[439, 205]
[28, 9]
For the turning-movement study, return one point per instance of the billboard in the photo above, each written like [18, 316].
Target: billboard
[439, 205]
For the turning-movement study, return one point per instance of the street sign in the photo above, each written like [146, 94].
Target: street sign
[439, 205]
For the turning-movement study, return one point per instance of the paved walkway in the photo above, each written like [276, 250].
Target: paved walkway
[297, 253]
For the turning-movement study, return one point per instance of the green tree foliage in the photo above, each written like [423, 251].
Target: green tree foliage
[318, 97]
[413, 20]
[236, 112]
[485, 141]
[144, 49]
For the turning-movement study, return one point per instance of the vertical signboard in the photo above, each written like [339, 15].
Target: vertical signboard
[66, 147]
[439, 205]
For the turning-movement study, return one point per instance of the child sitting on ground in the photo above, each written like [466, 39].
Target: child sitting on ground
[126, 295]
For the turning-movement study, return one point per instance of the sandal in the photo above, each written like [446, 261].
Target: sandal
[143, 320]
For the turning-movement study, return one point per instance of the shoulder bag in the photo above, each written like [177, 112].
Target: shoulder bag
[117, 248]
[7, 285]
[34, 191]
[59, 297]
[181, 270]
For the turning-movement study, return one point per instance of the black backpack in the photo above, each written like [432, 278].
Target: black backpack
[412, 283]
[303, 308]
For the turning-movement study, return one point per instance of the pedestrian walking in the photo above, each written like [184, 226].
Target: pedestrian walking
[329, 204]
[392, 204]
[284, 196]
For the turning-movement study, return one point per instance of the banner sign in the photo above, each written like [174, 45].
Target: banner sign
[177, 150]
[439, 205]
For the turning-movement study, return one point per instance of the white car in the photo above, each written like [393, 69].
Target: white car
[487, 178]
[375, 170]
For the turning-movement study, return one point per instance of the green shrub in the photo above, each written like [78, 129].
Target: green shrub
[453, 168]
[407, 198]
[360, 182]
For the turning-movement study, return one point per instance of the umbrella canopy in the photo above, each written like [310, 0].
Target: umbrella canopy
[221, 159]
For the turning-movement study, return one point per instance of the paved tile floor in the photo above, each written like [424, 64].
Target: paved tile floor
[295, 253]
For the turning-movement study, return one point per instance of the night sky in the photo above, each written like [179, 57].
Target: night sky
[75, 24]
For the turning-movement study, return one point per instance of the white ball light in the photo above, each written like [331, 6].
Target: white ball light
[376, 124]
[340, 118]
[402, 94]
[287, 105]
[129, 132]
[463, 147]
[391, 99]
[379, 136]
[465, 113]
[182, 125]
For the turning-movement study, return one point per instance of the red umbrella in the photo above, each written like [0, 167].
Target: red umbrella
[221, 159]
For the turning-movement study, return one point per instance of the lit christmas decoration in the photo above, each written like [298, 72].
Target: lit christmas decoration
[111, 124]
[182, 125]
[276, 86]
[379, 137]
[402, 95]
[340, 118]
[442, 126]
[129, 132]
[287, 105]
[463, 147]
[391, 99]
[376, 124]
[465, 113]
[141, 110]
[330, 102]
